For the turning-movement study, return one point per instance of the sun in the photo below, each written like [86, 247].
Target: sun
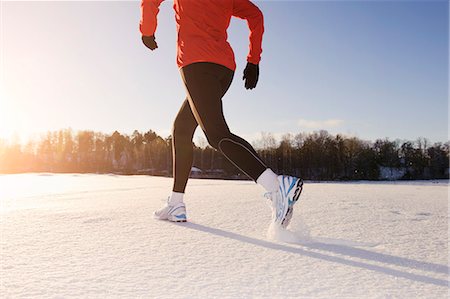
[13, 127]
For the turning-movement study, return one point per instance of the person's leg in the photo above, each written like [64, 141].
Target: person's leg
[182, 148]
[206, 83]
[182, 155]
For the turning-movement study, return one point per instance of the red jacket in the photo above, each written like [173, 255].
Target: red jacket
[202, 29]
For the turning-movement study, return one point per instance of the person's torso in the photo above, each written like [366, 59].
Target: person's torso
[202, 32]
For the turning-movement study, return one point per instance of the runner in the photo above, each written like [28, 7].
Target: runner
[207, 65]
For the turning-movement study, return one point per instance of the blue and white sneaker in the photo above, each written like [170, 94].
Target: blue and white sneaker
[283, 200]
[172, 212]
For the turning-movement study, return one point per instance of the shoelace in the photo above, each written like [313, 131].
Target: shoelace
[271, 199]
[268, 195]
[165, 200]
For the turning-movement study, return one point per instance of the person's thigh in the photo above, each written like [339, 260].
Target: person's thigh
[205, 88]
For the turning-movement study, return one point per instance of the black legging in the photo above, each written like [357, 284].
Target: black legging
[206, 83]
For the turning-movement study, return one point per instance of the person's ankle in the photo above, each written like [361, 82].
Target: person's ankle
[176, 197]
[269, 180]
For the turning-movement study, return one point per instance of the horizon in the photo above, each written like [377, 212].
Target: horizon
[202, 142]
[360, 69]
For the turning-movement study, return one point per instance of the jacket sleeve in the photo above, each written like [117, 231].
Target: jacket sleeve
[246, 10]
[149, 11]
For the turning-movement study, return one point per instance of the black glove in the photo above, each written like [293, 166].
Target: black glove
[251, 74]
[149, 42]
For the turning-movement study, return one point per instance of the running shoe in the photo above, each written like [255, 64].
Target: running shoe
[283, 199]
[172, 212]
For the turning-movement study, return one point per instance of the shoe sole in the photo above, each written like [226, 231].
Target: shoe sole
[171, 220]
[298, 190]
[175, 219]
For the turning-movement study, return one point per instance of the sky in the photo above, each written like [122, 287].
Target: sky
[359, 68]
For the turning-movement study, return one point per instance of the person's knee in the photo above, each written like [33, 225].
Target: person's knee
[213, 141]
[215, 138]
[180, 130]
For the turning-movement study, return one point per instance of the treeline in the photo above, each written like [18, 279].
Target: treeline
[316, 156]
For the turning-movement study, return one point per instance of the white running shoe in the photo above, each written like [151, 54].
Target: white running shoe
[172, 212]
[284, 198]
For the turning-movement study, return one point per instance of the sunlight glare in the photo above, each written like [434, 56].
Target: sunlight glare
[12, 125]
[27, 191]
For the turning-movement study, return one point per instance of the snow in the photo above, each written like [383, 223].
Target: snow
[70, 235]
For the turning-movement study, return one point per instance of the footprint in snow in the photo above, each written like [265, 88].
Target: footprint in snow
[417, 219]
[423, 214]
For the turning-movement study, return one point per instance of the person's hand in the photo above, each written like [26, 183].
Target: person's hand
[149, 42]
[251, 74]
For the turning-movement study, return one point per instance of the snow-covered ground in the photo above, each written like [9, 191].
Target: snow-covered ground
[93, 236]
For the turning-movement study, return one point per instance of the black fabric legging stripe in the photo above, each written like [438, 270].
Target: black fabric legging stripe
[206, 83]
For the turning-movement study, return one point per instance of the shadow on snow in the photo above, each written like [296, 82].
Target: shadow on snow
[342, 250]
